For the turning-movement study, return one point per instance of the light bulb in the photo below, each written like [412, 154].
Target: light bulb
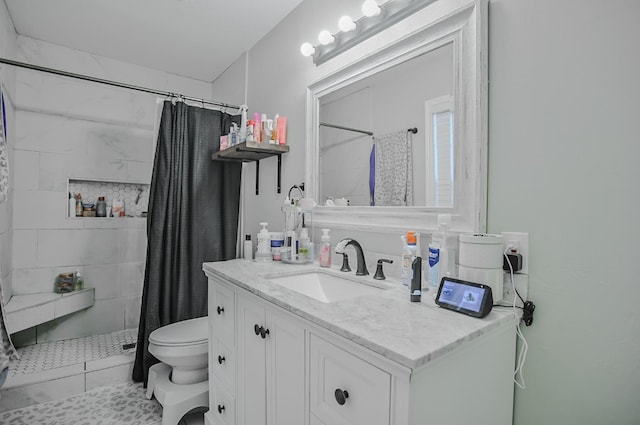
[307, 49]
[346, 24]
[325, 37]
[370, 8]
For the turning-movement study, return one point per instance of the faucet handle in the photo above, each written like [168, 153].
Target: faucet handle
[379, 273]
[345, 263]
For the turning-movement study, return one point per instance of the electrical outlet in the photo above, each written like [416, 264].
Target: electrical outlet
[521, 241]
[521, 282]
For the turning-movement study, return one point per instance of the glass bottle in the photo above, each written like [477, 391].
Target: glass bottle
[78, 205]
[101, 207]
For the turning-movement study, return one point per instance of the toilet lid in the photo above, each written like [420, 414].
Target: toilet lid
[183, 333]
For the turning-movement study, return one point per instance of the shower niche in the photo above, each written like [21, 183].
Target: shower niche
[133, 196]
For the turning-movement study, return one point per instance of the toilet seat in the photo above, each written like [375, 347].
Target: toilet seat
[181, 334]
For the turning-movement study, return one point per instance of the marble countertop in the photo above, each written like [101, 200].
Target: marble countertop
[409, 333]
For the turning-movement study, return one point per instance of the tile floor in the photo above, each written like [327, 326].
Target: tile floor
[123, 404]
[119, 404]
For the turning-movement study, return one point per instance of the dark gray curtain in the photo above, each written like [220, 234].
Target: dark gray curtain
[192, 218]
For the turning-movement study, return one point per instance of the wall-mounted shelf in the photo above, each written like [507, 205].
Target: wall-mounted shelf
[253, 152]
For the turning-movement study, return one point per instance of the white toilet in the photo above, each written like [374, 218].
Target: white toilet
[180, 382]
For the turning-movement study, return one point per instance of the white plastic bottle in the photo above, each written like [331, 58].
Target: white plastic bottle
[304, 252]
[325, 249]
[408, 255]
[434, 267]
[248, 247]
[263, 252]
[447, 257]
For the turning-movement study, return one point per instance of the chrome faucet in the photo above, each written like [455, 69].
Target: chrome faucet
[362, 266]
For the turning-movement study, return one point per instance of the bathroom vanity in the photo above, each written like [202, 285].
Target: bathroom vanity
[282, 355]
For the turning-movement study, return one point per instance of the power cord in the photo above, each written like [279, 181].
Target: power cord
[527, 317]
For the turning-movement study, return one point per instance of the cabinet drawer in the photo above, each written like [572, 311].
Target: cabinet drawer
[223, 363]
[222, 410]
[222, 313]
[346, 390]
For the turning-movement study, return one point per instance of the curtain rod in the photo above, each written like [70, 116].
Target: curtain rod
[413, 130]
[340, 127]
[114, 83]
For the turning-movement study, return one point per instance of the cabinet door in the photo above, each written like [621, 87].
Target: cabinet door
[222, 312]
[285, 364]
[345, 389]
[222, 408]
[251, 390]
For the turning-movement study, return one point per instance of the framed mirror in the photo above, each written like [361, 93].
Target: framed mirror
[401, 133]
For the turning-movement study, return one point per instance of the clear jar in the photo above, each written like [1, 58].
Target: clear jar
[101, 207]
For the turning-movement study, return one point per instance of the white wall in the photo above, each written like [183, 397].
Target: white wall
[564, 101]
[68, 128]
[564, 98]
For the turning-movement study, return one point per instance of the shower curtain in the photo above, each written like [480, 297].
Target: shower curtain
[192, 218]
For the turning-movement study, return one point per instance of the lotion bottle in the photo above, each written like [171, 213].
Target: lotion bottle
[263, 252]
[325, 249]
[304, 253]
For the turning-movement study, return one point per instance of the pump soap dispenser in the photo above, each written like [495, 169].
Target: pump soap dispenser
[263, 252]
[325, 249]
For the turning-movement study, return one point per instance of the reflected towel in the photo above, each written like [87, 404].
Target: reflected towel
[394, 170]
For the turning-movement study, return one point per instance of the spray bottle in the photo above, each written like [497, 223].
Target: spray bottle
[408, 255]
[242, 134]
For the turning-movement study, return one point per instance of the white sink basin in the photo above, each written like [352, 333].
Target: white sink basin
[326, 287]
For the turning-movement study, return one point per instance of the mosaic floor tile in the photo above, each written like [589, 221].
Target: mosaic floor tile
[123, 404]
[51, 355]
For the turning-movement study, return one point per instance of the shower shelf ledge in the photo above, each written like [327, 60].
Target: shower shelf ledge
[253, 152]
[26, 311]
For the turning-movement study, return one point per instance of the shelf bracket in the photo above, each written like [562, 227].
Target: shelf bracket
[257, 177]
[279, 172]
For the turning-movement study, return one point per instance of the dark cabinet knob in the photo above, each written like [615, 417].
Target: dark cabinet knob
[257, 329]
[220, 408]
[264, 332]
[221, 359]
[220, 310]
[341, 396]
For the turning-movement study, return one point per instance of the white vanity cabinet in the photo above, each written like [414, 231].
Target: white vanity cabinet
[256, 361]
[285, 364]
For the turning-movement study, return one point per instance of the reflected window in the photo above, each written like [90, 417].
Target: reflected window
[440, 152]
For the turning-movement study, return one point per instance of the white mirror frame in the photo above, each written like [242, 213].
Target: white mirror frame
[463, 23]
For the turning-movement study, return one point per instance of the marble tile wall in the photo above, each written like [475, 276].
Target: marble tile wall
[69, 129]
[7, 79]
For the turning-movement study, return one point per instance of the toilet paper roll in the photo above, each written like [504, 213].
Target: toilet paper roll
[483, 251]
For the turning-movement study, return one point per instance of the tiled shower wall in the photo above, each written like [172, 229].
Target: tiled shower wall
[7, 79]
[74, 130]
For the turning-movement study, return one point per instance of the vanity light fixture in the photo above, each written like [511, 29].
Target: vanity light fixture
[377, 17]
[346, 24]
[307, 49]
[325, 38]
[370, 8]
